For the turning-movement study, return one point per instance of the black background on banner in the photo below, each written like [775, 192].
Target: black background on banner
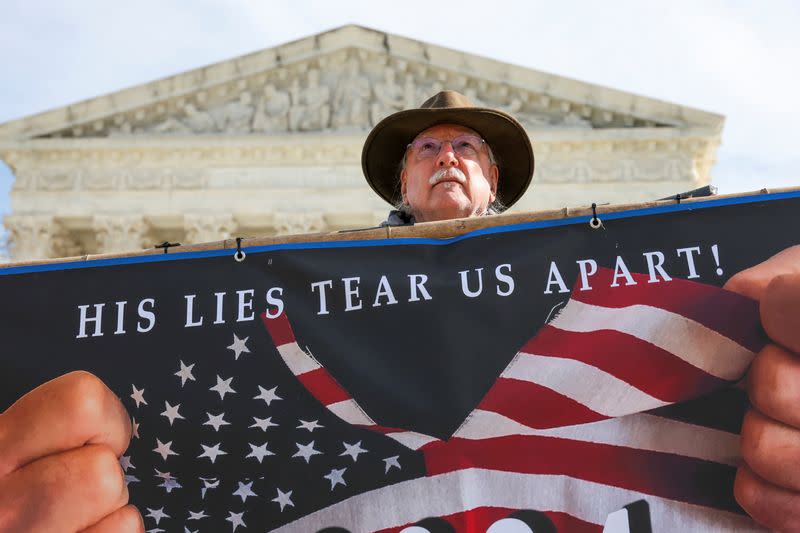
[420, 365]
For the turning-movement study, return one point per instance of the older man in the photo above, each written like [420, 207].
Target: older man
[59, 444]
[444, 160]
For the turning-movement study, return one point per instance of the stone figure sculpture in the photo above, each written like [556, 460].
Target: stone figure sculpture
[310, 106]
[389, 97]
[272, 111]
[195, 121]
[237, 115]
[350, 98]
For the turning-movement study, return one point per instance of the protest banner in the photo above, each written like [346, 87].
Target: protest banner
[541, 371]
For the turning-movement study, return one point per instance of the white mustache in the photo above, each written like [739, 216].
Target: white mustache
[447, 173]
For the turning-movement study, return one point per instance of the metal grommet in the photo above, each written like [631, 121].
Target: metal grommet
[239, 255]
[595, 222]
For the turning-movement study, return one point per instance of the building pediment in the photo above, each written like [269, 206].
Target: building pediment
[345, 80]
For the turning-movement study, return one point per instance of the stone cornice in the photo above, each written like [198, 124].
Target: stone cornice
[317, 140]
[230, 74]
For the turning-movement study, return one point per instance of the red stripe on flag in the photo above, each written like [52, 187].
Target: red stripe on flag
[478, 520]
[660, 474]
[730, 314]
[323, 386]
[645, 366]
[385, 429]
[536, 406]
[279, 329]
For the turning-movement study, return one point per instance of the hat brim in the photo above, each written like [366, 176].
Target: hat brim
[386, 144]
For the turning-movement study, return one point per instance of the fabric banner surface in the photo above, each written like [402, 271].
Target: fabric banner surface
[544, 376]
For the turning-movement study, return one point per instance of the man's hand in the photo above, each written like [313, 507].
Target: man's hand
[59, 467]
[768, 484]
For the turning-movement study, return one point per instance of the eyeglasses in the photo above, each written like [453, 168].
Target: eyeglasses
[464, 145]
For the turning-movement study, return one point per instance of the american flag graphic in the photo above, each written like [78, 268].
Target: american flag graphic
[581, 423]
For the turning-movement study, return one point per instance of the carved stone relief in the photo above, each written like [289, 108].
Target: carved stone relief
[292, 223]
[310, 104]
[346, 91]
[208, 227]
[119, 233]
[389, 97]
[351, 97]
[55, 181]
[272, 111]
[30, 236]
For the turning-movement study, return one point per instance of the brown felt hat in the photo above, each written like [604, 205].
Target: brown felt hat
[386, 143]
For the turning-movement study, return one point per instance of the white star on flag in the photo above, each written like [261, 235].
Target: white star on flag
[267, 395]
[187, 530]
[283, 499]
[336, 477]
[125, 463]
[353, 450]
[390, 462]
[216, 421]
[185, 373]
[208, 483]
[163, 475]
[171, 412]
[263, 423]
[211, 452]
[138, 396]
[157, 514]
[130, 479]
[306, 451]
[170, 484]
[223, 387]
[235, 519]
[239, 347]
[244, 491]
[310, 426]
[164, 449]
[197, 516]
[259, 452]
[134, 428]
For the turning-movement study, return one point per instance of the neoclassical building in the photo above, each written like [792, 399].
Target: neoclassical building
[270, 142]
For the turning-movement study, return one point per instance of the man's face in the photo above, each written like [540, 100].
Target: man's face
[451, 182]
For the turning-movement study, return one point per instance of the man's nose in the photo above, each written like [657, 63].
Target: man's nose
[447, 156]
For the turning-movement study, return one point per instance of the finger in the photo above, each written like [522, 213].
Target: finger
[125, 520]
[774, 507]
[780, 311]
[771, 449]
[774, 384]
[65, 413]
[753, 281]
[68, 491]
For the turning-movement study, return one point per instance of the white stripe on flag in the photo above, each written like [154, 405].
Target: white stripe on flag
[298, 361]
[596, 389]
[351, 412]
[693, 342]
[412, 439]
[641, 431]
[459, 491]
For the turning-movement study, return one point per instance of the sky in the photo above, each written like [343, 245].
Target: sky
[736, 58]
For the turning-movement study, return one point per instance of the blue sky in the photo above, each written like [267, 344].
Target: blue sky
[734, 58]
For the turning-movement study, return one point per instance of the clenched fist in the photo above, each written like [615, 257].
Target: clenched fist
[59, 466]
[768, 484]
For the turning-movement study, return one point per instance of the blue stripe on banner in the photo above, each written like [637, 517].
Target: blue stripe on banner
[183, 256]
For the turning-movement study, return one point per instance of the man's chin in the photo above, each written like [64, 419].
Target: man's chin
[446, 211]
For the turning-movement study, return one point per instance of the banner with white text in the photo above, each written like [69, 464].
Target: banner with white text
[545, 375]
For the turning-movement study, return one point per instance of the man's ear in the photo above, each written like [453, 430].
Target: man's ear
[494, 177]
